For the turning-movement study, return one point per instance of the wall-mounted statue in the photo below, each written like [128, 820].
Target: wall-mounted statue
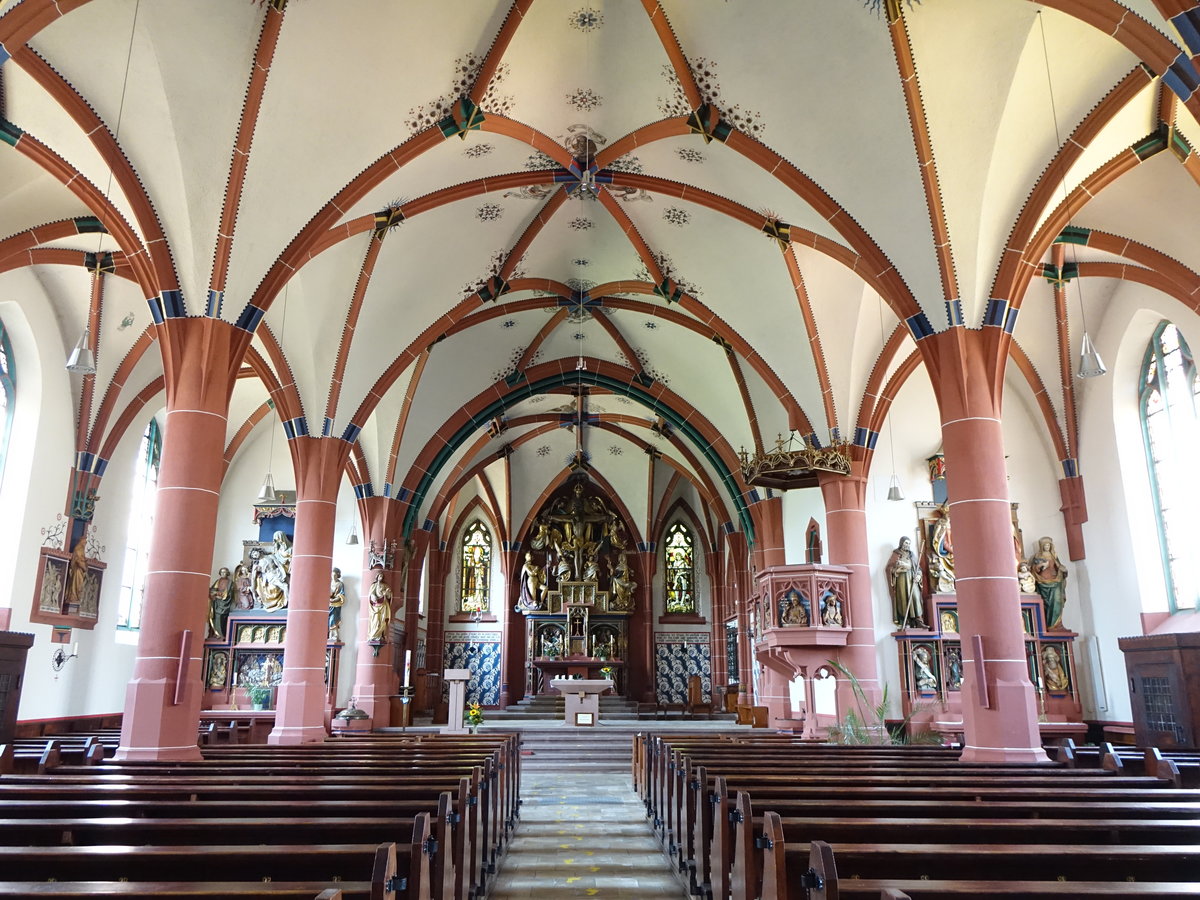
[337, 599]
[220, 602]
[1025, 580]
[1054, 675]
[533, 585]
[923, 669]
[380, 600]
[244, 585]
[904, 585]
[1051, 577]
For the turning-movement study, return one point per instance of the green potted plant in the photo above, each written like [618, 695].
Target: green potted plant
[260, 696]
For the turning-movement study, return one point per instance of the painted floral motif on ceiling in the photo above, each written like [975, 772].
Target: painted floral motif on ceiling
[478, 151]
[508, 323]
[585, 100]
[580, 223]
[586, 19]
[704, 71]
[667, 266]
[494, 265]
[514, 356]
[689, 154]
[643, 359]
[581, 262]
[673, 215]
[614, 450]
[580, 284]
[465, 69]
[489, 212]
[543, 450]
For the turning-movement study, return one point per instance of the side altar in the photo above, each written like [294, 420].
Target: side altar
[576, 593]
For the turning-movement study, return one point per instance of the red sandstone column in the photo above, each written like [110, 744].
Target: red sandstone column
[845, 499]
[740, 592]
[374, 678]
[768, 532]
[300, 706]
[716, 586]
[1004, 727]
[163, 698]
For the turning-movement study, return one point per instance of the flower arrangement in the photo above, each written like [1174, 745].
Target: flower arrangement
[606, 672]
[474, 715]
[260, 695]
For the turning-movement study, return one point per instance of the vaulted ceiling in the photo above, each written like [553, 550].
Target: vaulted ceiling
[727, 219]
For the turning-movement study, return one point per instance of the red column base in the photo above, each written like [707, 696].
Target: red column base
[162, 736]
[993, 736]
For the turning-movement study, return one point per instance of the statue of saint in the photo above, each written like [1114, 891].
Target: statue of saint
[1053, 674]
[245, 587]
[337, 599]
[533, 585]
[1051, 577]
[954, 667]
[623, 584]
[833, 612]
[76, 574]
[380, 600]
[923, 668]
[220, 602]
[792, 611]
[904, 584]
[273, 574]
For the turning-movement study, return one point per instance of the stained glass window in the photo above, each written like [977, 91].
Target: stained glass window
[476, 567]
[8, 395]
[681, 597]
[1169, 389]
[141, 529]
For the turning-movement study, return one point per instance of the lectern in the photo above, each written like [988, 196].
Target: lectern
[456, 680]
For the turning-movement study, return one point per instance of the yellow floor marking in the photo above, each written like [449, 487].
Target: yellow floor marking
[574, 878]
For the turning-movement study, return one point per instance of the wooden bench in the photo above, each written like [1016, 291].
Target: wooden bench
[357, 870]
[343, 791]
[811, 872]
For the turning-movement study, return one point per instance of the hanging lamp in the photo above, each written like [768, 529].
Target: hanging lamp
[81, 360]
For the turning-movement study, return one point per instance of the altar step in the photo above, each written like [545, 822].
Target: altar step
[550, 707]
[577, 750]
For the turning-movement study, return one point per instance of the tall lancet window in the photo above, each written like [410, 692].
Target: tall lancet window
[476, 567]
[681, 570]
[141, 528]
[8, 395]
[1169, 424]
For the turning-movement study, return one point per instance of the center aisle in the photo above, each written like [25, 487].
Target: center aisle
[583, 835]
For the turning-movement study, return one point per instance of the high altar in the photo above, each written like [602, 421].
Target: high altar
[581, 625]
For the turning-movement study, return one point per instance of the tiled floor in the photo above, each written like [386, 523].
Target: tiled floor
[583, 835]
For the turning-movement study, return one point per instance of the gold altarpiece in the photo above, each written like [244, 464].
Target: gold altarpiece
[576, 592]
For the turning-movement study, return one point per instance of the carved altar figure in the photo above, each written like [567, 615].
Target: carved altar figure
[1025, 579]
[220, 602]
[533, 585]
[578, 516]
[923, 666]
[941, 553]
[623, 584]
[380, 600]
[337, 599]
[954, 668]
[791, 609]
[273, 574]
[1053, 674]
[833, 611]
[245, 587]
[904, 584]
[1051, 577]
[76, 574]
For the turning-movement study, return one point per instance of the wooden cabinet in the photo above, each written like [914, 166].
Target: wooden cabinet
[1164, 688]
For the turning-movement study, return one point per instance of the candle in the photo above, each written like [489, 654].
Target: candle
[75, 649]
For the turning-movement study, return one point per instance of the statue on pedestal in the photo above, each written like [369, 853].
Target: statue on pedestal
[941, 554]
[533, 585]
[337, 599]
[380, 600]
[220, 602]
[1051, 577]
[272, 574]
[904, 585]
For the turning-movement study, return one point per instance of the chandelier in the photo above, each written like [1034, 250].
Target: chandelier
[794, 463]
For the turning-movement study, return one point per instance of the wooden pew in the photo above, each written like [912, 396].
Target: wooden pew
[818, 870]
[358, 870]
